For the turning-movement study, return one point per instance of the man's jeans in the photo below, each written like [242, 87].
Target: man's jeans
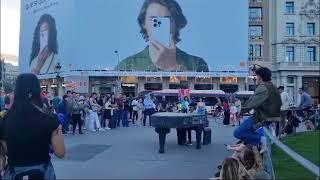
[122, 115]
[246, 133]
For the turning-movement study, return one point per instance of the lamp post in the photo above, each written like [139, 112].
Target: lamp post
[58, 71]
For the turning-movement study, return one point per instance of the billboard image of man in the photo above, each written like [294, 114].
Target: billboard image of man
[157, 56]
[44, 52]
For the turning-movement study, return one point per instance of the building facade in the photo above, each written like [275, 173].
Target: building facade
[295, 45]
[259, 49]
[11, 72]
[112, 82]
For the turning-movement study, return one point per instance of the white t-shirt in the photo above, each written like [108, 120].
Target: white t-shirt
[134, 105]
[233, 110]
[286, 100]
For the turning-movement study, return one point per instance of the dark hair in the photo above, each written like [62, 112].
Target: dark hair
[248, 158]
[68, 92]
[302, 89]
[52, 39]
[64, 97]
[281, 87]
[175, 11]
[264, 73]
[26, 95]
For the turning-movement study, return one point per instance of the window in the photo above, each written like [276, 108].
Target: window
[255, 14]
[311, 29]
[289, 7]
[290, 80]
[311, 54]
[290, 29]
[255, 31]
[290, 54]
[255, 50]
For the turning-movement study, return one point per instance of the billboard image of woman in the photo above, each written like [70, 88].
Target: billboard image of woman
[44, 54]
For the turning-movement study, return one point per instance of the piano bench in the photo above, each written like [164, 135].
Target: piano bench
[206, 136]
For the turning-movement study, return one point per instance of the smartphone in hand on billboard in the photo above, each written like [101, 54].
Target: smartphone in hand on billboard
[161, 30]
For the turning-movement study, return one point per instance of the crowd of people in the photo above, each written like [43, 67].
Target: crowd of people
[270, 108]
[42, 120]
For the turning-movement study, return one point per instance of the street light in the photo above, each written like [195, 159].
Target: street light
[58, 71]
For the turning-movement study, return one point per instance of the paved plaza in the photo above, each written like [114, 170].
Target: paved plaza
[133, 153]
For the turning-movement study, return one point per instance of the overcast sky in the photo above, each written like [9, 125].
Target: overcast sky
[10, 23]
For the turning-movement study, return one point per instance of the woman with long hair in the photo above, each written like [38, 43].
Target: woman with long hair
[30, 133]
[44, 54]
[232, 169]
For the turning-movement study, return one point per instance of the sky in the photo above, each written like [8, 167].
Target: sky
[10, 27]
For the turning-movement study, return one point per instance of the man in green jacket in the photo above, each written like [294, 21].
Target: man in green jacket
[266, 103]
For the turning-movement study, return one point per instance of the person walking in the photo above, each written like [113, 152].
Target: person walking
[29, 132]
[266, 103]
[149, 109]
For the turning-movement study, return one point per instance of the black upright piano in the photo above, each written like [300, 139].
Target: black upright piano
[162, 122]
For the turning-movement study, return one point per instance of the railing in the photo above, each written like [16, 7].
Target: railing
[314, 169]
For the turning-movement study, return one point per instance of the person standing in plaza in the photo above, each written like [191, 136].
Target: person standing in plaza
[164, 103]
[201, 107]
[286, 100]
[29, 132]
[94, 124]
[233, 114]
[119, 111]
[69, 106]
[238, 106]
[55, 102]
[266, 103]
[185, 105]
[108, 113]
[134, 104]
[149, 109]
[140, 109]
[76, 113]
[226, 111]
[63, 110]
[130, 99]
[306, 103]
[126, 111]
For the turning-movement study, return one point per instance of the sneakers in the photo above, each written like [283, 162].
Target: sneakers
[101, 129]
[107, 128]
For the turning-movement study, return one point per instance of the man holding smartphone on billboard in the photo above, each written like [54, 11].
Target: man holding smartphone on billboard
[160, 22]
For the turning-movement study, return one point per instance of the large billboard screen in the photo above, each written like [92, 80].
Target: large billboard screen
[135, 35]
